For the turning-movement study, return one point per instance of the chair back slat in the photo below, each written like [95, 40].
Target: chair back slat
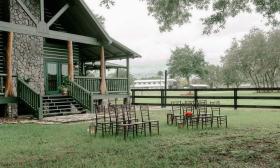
[215, 107]
[145, 113]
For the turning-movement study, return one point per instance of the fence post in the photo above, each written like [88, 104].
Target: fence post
[235, 98]
[195, 98]
[162, 98]
[133, 96]
[165, 87]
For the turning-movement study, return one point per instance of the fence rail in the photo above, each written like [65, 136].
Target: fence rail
[163, 96]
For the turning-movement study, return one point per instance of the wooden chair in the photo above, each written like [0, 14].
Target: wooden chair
[145, 116]
[124, 124]
[188, 106]
[171, 115]
[177, 112]
[132, 117]
[103, 122]
[205, 117]
[216, 113]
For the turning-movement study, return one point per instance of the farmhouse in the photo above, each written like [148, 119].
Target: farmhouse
[46, 45]
[154, 84]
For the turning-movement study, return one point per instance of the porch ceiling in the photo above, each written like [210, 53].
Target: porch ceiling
[114, 51]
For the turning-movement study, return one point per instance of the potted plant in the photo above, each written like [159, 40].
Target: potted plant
[64, 88]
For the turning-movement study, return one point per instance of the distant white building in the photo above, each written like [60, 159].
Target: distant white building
[154, 84]
[199, 86]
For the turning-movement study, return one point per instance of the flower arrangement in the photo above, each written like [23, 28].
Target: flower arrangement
[188, 114]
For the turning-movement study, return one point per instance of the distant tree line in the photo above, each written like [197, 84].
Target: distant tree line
[255, 59]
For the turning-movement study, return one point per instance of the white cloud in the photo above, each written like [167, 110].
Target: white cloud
[128, 22]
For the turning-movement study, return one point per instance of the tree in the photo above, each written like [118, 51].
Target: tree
[185, 62]
[178, 12]
[231, 69]
[213, 75]
[160, 74]
[256, 57]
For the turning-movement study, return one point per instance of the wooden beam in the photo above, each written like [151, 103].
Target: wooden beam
[70, 61]
[58, 14]
[42, 9]
[102, 87]
[27, 11]
[6, 26]
[9, 66]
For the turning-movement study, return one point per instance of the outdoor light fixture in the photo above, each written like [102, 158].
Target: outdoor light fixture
[76, 65]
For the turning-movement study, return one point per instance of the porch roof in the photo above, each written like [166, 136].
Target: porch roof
[114, 51]
[79, 19]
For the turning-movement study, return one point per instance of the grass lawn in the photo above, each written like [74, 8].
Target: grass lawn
[252, 140]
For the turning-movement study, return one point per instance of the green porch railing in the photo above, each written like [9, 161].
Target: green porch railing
[2, 84]
[89, 83]
[114, 85]
[82, 95]
[30, 97]
[118, 85]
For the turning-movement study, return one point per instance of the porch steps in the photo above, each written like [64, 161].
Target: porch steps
[61, 105]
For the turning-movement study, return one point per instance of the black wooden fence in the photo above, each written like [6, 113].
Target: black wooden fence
[163, 96]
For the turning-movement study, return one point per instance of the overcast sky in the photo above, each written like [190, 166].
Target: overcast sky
[129, 23]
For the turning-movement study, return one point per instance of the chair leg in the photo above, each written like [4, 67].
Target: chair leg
[95, 130]
[102, 128]
[158, 127]
[150, 128]
[226, 121]
[144, 127]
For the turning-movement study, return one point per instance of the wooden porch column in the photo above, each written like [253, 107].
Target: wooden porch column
[9, 66]
[102, 72]
[70, 61]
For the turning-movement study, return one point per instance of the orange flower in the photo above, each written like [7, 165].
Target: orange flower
[188, 113]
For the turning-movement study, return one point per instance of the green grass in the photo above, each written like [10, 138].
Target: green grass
[252, 140]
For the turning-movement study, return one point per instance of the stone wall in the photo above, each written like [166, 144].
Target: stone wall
[28, 50]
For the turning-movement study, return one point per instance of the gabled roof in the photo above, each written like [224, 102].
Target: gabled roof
[81, 5]
[80, 20]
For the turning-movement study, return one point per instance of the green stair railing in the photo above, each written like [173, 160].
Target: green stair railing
[89, 83]
[82, 95]
[30, 97]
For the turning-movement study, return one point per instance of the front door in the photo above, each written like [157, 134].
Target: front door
[56, 74]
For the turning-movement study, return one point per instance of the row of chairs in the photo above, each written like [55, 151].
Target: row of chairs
[199, 114]
[125, 119]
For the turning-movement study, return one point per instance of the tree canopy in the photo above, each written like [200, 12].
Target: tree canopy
[255, 58]
[185, 62]
[178, 12]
